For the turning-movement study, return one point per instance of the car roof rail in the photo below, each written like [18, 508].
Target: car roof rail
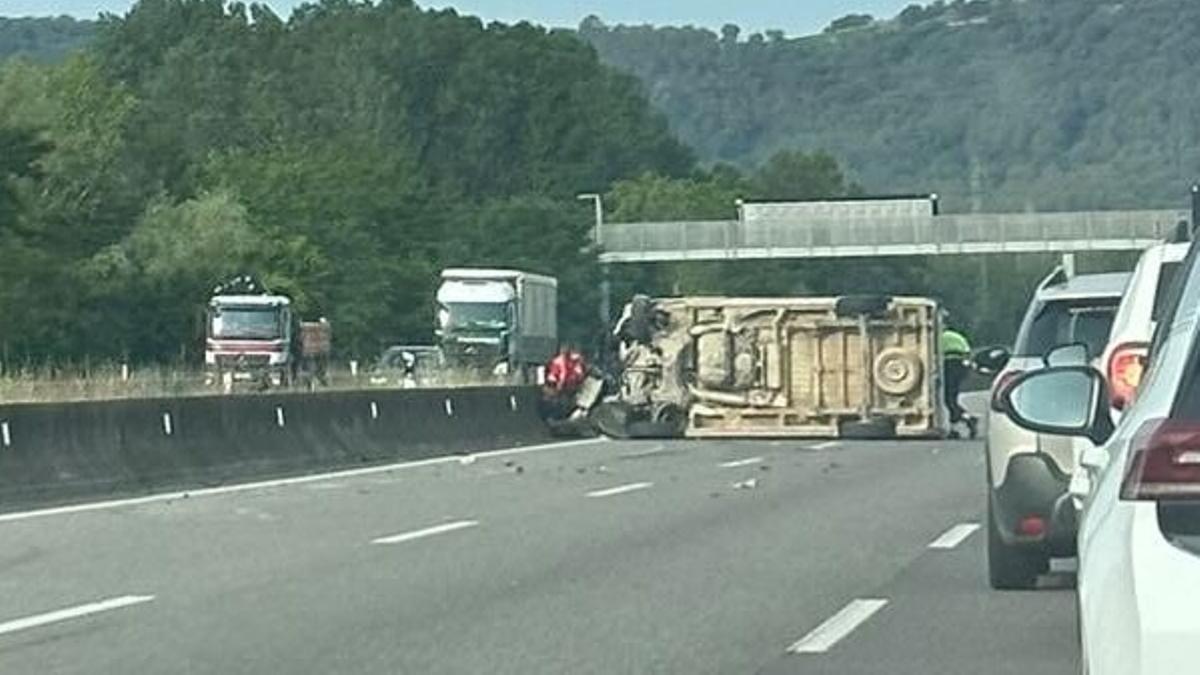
[1057, 277]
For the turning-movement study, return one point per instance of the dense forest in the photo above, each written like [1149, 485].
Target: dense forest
[994, 104]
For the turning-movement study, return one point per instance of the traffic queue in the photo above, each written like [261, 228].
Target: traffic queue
[1094, 451]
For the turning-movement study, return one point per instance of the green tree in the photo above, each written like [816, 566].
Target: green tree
[797, 176]
[151, 283]
[19, 149]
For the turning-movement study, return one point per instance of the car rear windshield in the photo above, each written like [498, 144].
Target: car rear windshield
[1166, 275]
[1063, 322]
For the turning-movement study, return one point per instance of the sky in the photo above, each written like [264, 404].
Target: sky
[795, 17]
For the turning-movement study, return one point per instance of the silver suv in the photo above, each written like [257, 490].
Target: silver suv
[1030, 515]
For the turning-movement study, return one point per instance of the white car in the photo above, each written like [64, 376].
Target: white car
[1139, 535]
[1143, 304]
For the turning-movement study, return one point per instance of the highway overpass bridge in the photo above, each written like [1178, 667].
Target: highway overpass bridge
[907, 226]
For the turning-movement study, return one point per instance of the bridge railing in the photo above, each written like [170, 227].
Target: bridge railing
[838, 236]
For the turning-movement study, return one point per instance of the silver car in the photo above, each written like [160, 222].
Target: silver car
[1030, 515]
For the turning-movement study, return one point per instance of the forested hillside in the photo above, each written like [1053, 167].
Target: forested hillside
[43, 39]
[995, 104]
[1050, 104]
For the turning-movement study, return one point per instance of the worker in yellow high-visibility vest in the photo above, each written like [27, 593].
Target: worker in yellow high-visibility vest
[956, 357]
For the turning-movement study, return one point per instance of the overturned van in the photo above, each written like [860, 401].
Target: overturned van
[833, 367]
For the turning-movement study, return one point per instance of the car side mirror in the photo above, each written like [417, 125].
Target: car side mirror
[992, 359]
[1074, 354]
[1061, 401]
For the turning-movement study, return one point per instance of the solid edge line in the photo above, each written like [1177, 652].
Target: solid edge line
[426, 532]
[283, 482]
[837, 627]
[619, 490]
[741, 462]
[69, 613]
[954, 536]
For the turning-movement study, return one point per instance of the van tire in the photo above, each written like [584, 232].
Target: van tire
[870, 428]
[857, 305]
[646, 429]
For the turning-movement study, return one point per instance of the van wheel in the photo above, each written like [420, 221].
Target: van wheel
[672, 418]
[871, 428]
[1010, 568]
[856, 305]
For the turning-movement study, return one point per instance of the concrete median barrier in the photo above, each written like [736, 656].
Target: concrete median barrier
[63, 452]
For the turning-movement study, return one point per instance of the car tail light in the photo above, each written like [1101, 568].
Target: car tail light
[1003, 383]
[1164, 462]
[1125, 368]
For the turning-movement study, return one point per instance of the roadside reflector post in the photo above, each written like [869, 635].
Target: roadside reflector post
[279, 419]
[449, 408]
[167, 425]
[5, 434]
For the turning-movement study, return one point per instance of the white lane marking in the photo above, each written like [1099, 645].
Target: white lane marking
[826, 445]
[824, 637]
[427, 532]
[741, 462]
[655, 450]
[954, 536]
[283, 482]
[72, 613]
[619, 490]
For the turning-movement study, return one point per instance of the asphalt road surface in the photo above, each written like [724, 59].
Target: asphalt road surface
[599, 557]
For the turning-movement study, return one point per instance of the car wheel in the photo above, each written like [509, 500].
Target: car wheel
[1010, 568]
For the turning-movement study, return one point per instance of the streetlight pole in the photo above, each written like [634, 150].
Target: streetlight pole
[599, 204]
[605, 283]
